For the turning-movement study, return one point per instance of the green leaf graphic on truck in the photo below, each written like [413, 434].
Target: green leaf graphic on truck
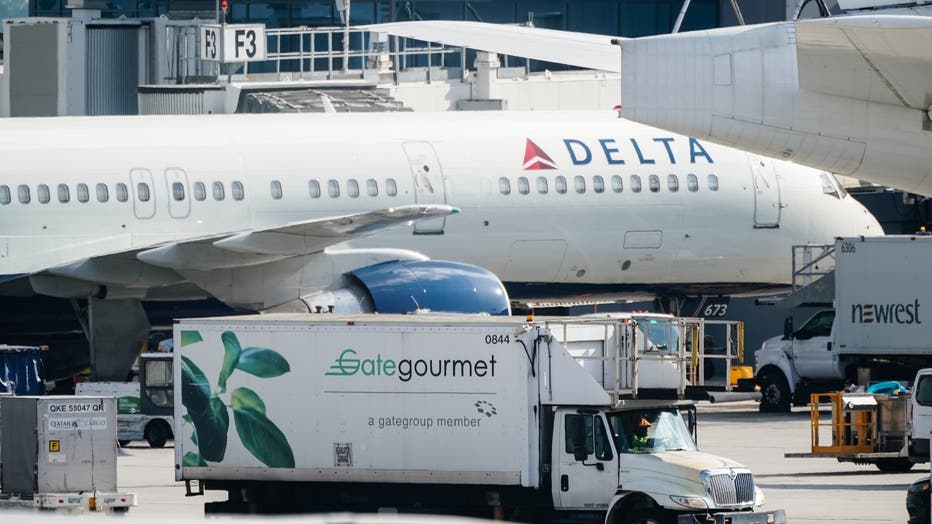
[210, 415]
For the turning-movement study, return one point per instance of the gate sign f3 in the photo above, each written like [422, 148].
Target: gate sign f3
[233, 43]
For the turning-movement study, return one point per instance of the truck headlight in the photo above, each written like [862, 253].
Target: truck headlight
[759, 497]
[690, 502]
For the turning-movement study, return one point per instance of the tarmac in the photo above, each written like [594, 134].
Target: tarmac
[812, 491]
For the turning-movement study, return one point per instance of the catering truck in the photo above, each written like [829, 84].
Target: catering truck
[879, 321]
[469, 415]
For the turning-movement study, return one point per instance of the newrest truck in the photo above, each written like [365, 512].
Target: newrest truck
[469, 415]
[880, 322]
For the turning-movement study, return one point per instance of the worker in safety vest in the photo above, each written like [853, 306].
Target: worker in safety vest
[639, 438]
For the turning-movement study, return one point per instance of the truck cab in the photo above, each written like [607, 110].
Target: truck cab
[784, 365]
[640, 461]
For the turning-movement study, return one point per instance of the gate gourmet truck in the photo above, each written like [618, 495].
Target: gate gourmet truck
[880, 321]
[482, 416]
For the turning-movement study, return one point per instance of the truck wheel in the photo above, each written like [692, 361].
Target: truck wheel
[157, 433]
[775, 394]
[640, 517]
[895, 465]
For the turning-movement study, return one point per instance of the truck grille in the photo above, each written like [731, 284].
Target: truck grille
[728, 491]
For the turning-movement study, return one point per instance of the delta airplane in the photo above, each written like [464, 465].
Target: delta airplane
[281, 211]
[848, 94]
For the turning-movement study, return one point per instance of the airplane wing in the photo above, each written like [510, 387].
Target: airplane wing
[156, 266]
[879, 58]
[564, 47]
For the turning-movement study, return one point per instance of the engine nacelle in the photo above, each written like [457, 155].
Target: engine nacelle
[408, 286]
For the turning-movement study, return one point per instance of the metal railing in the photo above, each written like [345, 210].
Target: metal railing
[811, 262]
[626, 348]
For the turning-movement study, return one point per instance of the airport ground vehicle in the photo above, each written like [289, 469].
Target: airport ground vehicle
[881, 294]
[921, 421]
[482, 416]
[145, 408]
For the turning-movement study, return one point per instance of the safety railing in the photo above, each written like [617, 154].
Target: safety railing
[811, 262]
[628, 355]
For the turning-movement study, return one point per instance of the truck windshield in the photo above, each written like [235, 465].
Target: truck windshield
[661, 334]
[649, 431]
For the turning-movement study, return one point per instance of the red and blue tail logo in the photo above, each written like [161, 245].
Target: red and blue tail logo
[535, 158]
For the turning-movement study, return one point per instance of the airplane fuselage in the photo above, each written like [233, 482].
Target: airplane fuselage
[568, 198]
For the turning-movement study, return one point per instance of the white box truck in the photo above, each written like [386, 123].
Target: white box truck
[880, 321]
[470, 415]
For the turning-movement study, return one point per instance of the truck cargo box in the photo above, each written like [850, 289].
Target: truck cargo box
[883, 295]
[366, 398]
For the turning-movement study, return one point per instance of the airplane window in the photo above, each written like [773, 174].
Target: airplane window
[352, 188]
[673, 183]
[598, 184]
[142, 191]
[218, 191]
[579, 183]
[333, 188]
[42, 193]
[122, 194]
[23, 193]
[4, 195]
[82, 192]
[542, 185]
[559, 185]
[692, 182]
[314, 187]
[504, 186]
[237, 189]
[178, 191]
[636, 183]
[617, 185]
[391, 188]
[200, 192]
[276, 188]
[524, 187]
[713, 182]
[64, 194]
[372, 187]
[103, 194]
[653, 183]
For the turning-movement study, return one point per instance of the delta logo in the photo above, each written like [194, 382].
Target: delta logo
[535, 158]
[907, 313]
[619, 152]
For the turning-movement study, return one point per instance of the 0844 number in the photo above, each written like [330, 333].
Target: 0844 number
[497, 339]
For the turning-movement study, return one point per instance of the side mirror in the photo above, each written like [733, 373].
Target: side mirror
[788, 328]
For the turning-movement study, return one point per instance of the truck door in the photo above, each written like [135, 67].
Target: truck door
[585, 461]
[812, 347]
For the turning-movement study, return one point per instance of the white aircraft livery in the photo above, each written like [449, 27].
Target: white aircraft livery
[287, 211]
[848, 94]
